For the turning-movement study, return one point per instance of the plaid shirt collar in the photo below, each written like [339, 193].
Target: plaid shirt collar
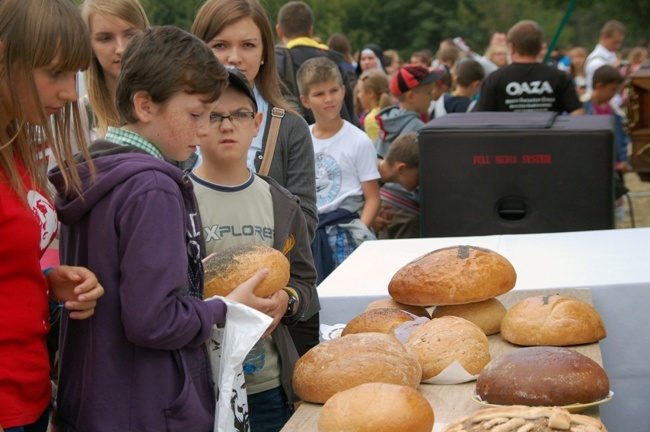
[128, 138]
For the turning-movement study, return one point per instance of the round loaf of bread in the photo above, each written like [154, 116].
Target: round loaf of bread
[486, 314]
[454, 275]
[542, 376]
[348, 361]
[377, 407]
[392, 304]
[523, 418]
[442, 341]
[226, 270]
[384, 320]
[552, 320]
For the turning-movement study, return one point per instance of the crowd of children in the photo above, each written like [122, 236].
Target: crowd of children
[139, 210]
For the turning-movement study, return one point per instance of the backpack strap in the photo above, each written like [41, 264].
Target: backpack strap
[277, 114]
[287, 69]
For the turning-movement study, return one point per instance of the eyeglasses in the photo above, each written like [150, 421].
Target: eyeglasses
[238, 118]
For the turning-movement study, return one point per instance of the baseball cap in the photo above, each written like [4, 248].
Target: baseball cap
[238, 80]
[411, 76]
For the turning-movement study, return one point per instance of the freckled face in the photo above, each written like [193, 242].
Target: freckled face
[179, 125]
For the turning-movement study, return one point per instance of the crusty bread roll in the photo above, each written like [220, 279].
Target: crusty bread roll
[454, 275]
[226, 270]
[442, 341]
[552, 320]
[377, 407]
[390, 303]
[523, 418]
[542, 376]
[384, 320]
[348, 361]
[486, 314]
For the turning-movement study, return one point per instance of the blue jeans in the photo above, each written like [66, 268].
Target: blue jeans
[39, 425]
[269, 410]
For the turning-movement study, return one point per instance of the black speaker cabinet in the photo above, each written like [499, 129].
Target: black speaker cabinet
[512, 173]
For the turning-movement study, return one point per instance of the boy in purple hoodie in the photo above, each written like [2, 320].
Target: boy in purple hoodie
[141, 364]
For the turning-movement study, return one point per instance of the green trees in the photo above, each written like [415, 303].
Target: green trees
[410, 25]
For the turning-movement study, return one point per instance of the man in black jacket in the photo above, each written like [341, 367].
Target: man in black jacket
[296, 27]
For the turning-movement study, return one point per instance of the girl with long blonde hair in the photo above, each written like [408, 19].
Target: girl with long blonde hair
[43, 43]
[112, 24]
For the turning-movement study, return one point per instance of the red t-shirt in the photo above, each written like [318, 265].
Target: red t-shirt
[25, 233]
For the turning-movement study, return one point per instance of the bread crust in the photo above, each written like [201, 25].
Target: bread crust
[542, 376]
[226, 270]
[377, 407]
[348, 361]
[552, 320]
[453, 275]
[487, 315]
[390, 303]
[383, 320]
[442, 341]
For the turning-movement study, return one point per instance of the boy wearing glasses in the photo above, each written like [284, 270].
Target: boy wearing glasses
[238, 207]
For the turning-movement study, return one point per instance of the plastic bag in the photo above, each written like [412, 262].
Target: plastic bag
[227, 347]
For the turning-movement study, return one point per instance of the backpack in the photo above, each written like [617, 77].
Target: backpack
[288, 68]
[287, 71]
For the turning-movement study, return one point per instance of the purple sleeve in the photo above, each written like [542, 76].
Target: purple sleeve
[157, 308]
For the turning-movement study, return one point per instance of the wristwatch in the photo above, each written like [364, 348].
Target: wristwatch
[292, 306]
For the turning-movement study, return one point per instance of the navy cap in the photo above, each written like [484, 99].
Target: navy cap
[237, 79]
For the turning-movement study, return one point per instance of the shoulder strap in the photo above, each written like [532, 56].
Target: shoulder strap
[287, 69]
[290, 71]
[276, 118]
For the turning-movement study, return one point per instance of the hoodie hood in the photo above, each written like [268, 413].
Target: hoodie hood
[114, 164]
[393, 122]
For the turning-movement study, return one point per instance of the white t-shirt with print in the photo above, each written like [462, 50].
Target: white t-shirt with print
[343, 162]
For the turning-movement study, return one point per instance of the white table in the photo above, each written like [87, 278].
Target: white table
[615, 264]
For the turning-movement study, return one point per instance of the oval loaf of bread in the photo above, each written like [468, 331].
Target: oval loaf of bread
[454, 275]
[542, 376]
[486, 314]
[377, 407]
[348, 361]
[552, 320]
[226, 270]
[384, 320]
[442, 341]
[390, 303]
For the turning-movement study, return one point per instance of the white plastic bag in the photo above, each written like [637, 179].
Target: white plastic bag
[227, 347]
